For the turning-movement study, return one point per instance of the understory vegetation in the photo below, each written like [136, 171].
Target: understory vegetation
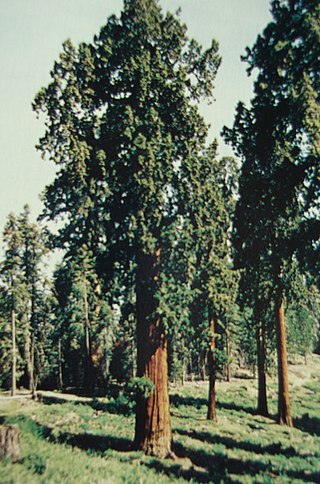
[65, 438]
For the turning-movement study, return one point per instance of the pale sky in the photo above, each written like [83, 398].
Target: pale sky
[31, 36]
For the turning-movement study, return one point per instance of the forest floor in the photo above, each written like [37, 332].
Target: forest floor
[70, 439]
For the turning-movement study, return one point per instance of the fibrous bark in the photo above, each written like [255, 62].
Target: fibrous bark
[153, 424]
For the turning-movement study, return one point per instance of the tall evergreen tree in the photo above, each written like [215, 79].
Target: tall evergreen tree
[23, 286]
[13, 288]
[32, 252]
[124, 128]
[278, 140]
[214, 282]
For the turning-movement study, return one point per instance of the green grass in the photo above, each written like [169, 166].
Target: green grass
[86, 443]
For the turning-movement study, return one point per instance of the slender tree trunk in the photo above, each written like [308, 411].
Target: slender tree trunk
[184, 369]
[203, 373]
[88, 369]
[153, 425]
[261, 363]
[14, 353]
[28, 356]
[284, 415]
[33, 367]
[211, 415]
[60, 377]
[228, 348]
[33, 378]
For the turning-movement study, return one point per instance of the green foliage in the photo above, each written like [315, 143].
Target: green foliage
[24, 290]
[128, 161]
[139, 387]
[275, 218]
[121, 364]
[84, 322]
[35, 463]
[214, 281]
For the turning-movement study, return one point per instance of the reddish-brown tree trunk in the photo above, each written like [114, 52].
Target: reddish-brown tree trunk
[153, 424]
[262, 383]
[211, 415]
[284, 415]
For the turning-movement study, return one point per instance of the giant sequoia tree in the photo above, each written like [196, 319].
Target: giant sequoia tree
[278, 140]
[124, 130]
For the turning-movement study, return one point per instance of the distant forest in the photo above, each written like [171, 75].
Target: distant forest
[177, 264]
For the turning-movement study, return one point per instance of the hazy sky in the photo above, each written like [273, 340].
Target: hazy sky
[31, 35]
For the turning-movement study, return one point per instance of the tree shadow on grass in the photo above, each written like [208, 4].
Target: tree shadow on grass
[93, 442]
[207, 467]
[308, 424]
[111, 390]
[117, 406]
[236, 407]
[85, 441]
[178, 400]
[219, 465]
[114, 406]
[230, 443]
[174, 470]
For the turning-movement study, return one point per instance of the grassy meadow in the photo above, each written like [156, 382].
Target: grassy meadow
[67, 439]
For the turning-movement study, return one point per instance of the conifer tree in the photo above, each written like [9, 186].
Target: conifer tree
[32, 252]
[82, 320]
[124, 129]
[278, 140]
[13, 287]
[303, 312]
[214, 282]
[24, 289]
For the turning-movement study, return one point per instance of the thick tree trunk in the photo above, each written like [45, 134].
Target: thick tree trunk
[9, 442]
[153, 425]
[211, 415]
[14, 354]
[262, 383]
[284, 415]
